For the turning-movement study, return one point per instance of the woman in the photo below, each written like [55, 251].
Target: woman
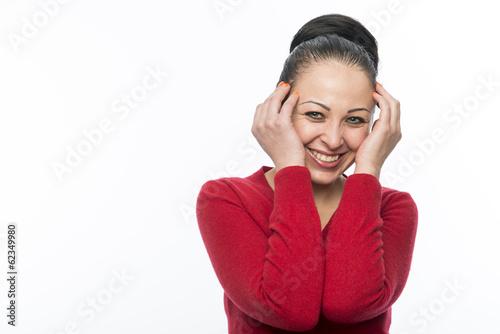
[302, 247]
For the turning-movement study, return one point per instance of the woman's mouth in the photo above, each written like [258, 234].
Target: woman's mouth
[324, 160]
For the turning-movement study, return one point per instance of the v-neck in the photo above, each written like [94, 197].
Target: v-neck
[270, 191]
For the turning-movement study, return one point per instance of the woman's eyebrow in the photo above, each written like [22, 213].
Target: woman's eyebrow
[325, 107]
[358, 109]
[319, 104]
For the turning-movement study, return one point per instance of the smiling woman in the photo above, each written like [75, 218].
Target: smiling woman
[301, 247]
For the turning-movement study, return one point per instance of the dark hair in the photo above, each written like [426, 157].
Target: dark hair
[331, 37]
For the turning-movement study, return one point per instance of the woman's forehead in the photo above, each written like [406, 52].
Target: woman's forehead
[334, 84]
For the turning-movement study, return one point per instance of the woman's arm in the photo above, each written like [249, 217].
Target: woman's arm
[276, 279]
[368, 250]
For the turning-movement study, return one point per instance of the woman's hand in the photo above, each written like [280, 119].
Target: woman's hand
[273, 129]
[386, 133]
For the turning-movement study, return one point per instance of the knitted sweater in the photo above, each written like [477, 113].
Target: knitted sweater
[281, 273]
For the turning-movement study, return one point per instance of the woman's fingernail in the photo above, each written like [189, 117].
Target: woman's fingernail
[286, 85]
[378, 83]
[374, 92]
[281, 84]
[295, 92]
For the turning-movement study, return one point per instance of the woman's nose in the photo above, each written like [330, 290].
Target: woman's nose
[332, 137]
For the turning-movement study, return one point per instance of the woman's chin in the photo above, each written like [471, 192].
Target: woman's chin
[321, 175]
[324, 178]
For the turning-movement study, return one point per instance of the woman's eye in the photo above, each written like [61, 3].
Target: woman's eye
[314, 114]
[356, 120]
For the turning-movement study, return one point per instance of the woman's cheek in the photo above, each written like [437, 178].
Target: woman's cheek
[355, 137]
[304, 129]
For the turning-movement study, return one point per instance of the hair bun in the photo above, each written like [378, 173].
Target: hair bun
[341, 25]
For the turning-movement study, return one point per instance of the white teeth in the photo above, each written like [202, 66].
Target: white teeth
[325, 158]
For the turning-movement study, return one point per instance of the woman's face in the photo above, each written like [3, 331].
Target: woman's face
[332, 117]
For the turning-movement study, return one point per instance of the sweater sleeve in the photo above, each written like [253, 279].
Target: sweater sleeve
[276, 279]
[368, 250]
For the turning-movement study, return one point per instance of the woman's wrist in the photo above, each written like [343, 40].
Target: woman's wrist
[297, 162]
[278, 168]
[367, 170]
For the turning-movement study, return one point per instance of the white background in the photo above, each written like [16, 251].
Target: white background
[128, 205]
